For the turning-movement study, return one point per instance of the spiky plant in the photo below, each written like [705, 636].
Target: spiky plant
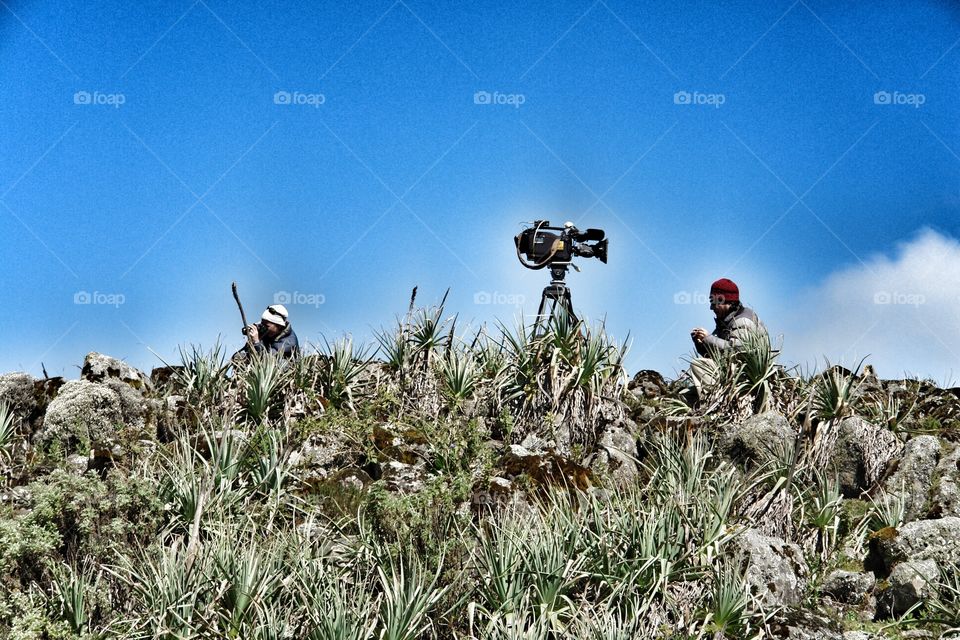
[407, 600]
[266, 374]
[72, 591]
[836, 393]
[887, 511]
[823, 503]
[202, 376]
[759, 371]
[728, 613]
[8, 431]
[459, 377]
[426, 333]
[342, 370]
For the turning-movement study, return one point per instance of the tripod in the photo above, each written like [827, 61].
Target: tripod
[556, 295]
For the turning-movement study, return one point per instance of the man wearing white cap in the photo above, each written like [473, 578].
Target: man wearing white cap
[274, 334]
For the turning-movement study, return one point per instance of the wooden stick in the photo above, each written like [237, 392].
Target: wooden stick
[243, 316]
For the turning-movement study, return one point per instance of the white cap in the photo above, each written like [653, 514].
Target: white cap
[277, 314]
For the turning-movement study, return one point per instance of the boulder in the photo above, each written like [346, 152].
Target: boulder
[909, 583]
[616, 455]
[648, 384]
[914, 475]
[945, 495]
[937, 540]
[802, 624]
[403, 478]
[757, 438]
[98, 368]
[497, 492]
[544, 468]
[89, 416]
[399, 443]
[352, 479]
[162, 376]
[78, 464]
[848, 587]
[861, 454]
[537, 445]
[776, 570]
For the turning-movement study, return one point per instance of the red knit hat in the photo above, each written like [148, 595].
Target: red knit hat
[725, 290]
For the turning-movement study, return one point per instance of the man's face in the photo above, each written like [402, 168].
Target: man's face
[270, 330]
[720, 307]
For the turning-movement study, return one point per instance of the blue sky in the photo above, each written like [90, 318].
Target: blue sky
[808, 150]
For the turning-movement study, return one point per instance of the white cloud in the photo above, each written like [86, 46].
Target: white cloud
[902, 312]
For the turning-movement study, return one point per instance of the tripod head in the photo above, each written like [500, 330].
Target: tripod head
[558, 272]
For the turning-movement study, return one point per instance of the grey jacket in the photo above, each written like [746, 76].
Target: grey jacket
[285, 344]
[732, 330]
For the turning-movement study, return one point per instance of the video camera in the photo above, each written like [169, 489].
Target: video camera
[546, 246]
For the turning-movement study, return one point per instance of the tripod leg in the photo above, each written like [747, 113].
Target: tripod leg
[568, 306]
[543, 306]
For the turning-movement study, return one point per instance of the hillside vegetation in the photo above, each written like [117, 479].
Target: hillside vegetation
[493, 484]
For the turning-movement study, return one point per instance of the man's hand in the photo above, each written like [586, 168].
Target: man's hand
[699, 334]
[253, 334]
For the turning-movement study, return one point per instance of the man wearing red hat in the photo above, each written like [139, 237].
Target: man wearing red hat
[734, 321]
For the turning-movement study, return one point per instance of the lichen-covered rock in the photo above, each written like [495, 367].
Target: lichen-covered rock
[544, 468]
[801, 624]
[910, 582]
[757, 438]
[87, 415]
[78, 464]
[403, 478]
[648, 384]
[405, 445]
[860, 455]
[945, 496]
[98, 368]
[776, 571]
[616, 455]
[919, 540]
[848, 587]
[914, 475]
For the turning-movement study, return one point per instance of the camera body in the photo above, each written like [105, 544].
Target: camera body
[544, 245]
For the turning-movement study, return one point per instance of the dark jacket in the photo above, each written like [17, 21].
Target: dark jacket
[732, 330]
[285, 344]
